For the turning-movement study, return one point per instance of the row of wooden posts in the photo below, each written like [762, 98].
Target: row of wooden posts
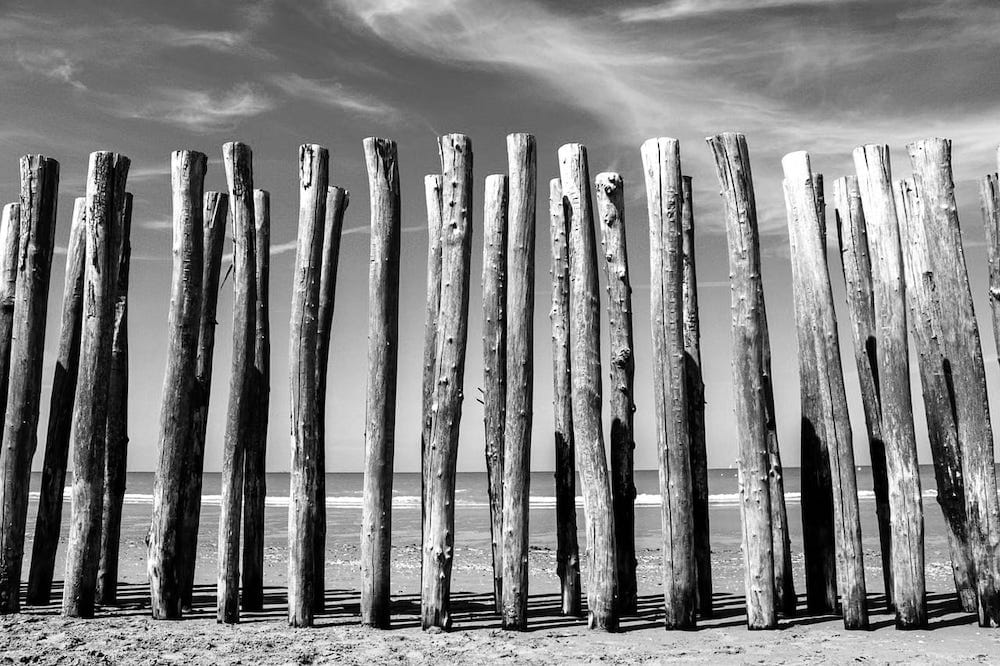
[906, 279]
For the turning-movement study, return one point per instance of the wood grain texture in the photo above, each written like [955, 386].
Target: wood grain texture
[989, 199]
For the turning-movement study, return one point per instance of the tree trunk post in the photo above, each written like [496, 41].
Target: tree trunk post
[10, 232]
[989, 195]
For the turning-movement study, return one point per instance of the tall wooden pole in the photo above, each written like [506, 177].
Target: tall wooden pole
[10, 233]
[931, 161]
[567, 548]
[305, 413]
[732, 162]
[585, 360]
[989, 195]
[215, 213]
[449, 373]
[164, 558]
[238, 160]
[906, 508]
[495, 362]
[383, 348]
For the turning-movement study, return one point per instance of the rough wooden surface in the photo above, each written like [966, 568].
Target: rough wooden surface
[238, 161]
[852, 234]
[302, 355]
[495, 362]
[380, 408]
[661, 162]
[989, 196]
[963, 354]
[892, 362]
[164, 553]
[732, 162]
[567, 548]
[449, 373]
[10, 226]
[585, 361]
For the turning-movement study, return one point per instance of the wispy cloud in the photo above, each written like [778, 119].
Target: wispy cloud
[198, 110]
[53, 64]
[684, 9]
[333, 94]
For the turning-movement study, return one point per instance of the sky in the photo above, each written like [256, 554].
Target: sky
[146, 78]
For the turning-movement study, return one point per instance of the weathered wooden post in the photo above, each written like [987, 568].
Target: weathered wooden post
[383, 347]
[830, 429]
[305, 414]
[567, 548]
[732, 162]
[116, 437]
[10, 231]
[449, 373]
[432, 192]
[931, 161]
[585, 361]
[925, 329]
[892, 363]
[852, 234]
[495, 362]
[238, 160]
[989, 195]
[254, 475]
[215, 213]
[164, 563]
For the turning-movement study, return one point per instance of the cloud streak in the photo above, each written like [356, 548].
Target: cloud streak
[198, 110]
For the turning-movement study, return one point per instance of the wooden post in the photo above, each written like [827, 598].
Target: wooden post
[380, 408]
[216, 210]
[116, 437]
[989, 194]
[238, 160]
[610, 192]
[906, 509]
[732, 162]
[931, 161]
[926, 330]
[495, 363]
[567, 548]
[303, 349]
[164, 563]
[585, 360]
[829, 425]
[10, 231]
[857, 266]
[449, 373]
[337, 200]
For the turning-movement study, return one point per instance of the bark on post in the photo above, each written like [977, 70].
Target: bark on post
[567, 548]
[906, 508]
[254, 475]
[585, 360]
[215, 213]
[432, 192]
[857, 266]
[816, 320]
[305, 413]
[164, 562]
[238, 160]
[380, 408]
[449, 373]
[696, 405]
[748, 335]
[661, 162]
[926, 330]
[495, 363]
[963, 355]
[116, 437]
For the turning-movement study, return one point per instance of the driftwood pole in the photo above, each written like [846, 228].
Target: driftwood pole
[305, 414]
[495, 362]
[380, 408]
[238, 160]
[931, 161]
[215, 212]
[567, 548]
[116, 437]
[906, 508]
[831, 430]
[585, 361]
[10, 233]
[661, 162]
[432, 192]
[449, 373]
[989, 195]
[748, 339]
[254, 474]
[610, 195]
[852, 234]
[164, 562]
[935, 382]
